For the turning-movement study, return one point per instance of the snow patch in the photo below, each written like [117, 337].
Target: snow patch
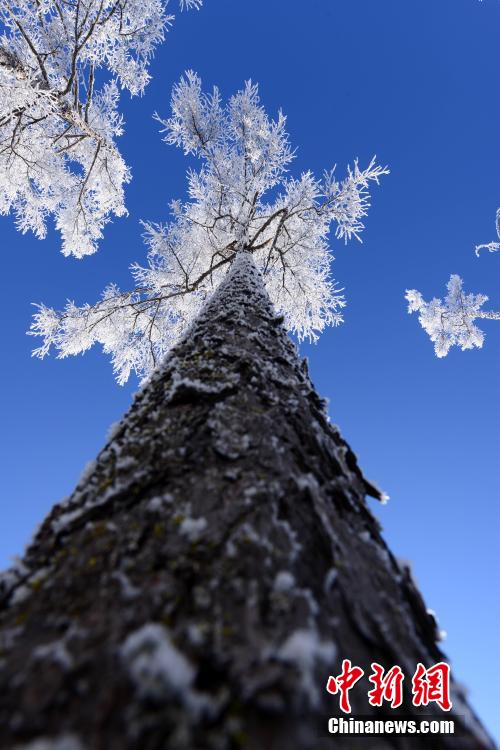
[158, 669]
[330, 579]
[126, 462]
[65, 742]
[196, 634]
[246, 533]
[55, 652]
[88, 470]
[158, 503]
[284, 581]
[231, 550]
[303, 649]
[193, 528]
[10, 577]
[65, 519]
[20, 595]
[180, 385]
[8, 637]
[113, 430]
[128, 590]
[280, 523]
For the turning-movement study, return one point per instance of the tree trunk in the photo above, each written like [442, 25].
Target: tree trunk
[213, 567]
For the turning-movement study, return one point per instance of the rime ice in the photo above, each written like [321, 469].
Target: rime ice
[450, 322]
[58, 125]
[245, 155]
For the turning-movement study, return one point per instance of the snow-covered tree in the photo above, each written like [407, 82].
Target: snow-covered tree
[61, 67]
[241, 198]
[215, 564]
[218, 561]
[451, 322]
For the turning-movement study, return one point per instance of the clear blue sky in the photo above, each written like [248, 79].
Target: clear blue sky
[417, 84]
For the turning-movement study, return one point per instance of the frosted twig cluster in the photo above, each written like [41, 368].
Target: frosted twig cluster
[492, 247]
[241, 198]
[450, 322]
[61, 66]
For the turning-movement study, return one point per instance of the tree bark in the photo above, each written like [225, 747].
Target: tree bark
[213, 567]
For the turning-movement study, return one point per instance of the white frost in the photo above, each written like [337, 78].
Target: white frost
[65, 742]
[242, 198]
[284, 581]
[55, 652]
[156, 666]
[62, 521]
[304, 649]
[20, 595]
[128, 590]
[450, 322]
[113, 429]
[62, 66]
[87, 472]
[330, 579]
[159, 502]
[193, 528]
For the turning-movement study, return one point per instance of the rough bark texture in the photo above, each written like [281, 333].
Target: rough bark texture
[212, 568]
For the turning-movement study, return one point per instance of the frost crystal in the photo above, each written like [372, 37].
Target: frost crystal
[241, 198]
[58, 123]
[450, 322]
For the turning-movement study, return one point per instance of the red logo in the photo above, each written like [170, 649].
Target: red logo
[432, 685]
[388, 687]
[343, 683]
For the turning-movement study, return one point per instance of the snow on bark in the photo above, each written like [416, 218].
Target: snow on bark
[235, 624]
[158, 670]
[67, 742]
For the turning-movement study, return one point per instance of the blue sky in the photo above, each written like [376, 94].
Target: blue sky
[416, 83]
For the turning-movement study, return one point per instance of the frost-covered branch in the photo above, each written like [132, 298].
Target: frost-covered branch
[450, 322]
[492, 247]
[61, 67]
[241, 198]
